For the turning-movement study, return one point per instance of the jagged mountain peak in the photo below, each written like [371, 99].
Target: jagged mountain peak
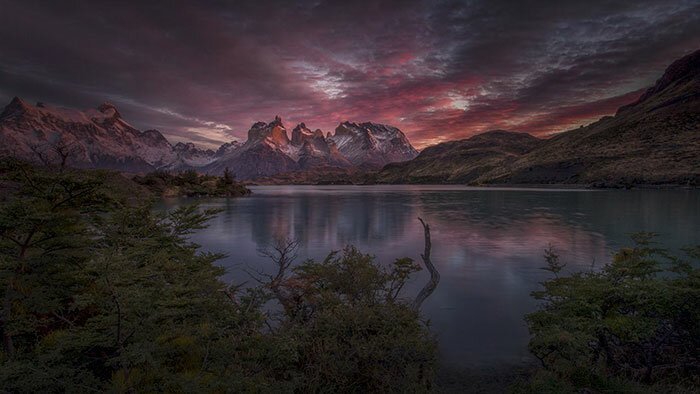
[371, 143]
[184, 146]
[106, 140]
[228, 147]
[301, 126]
[109, 109]
[347, 127]
[301, 133]
[155, 135]
[273, 132]
[16, 106]
[18, 103]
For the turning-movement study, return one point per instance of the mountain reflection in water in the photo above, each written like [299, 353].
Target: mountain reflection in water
[487, 244]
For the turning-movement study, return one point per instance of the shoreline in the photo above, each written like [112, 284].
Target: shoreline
[553, 186]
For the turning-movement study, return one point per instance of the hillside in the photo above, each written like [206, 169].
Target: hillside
[462, 161]
[652, 141]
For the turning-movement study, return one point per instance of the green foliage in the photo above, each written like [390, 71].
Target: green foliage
[554, 265]
[636, 320]
[100, 293]
[190, 183]
[351, 330]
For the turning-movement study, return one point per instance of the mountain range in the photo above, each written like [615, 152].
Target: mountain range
[101, 138]
[651, 141]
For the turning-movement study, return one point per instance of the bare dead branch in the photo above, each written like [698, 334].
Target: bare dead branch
[65, 151]
[283, 252]
[429, 287]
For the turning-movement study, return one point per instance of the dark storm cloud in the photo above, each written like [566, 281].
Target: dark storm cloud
[204, 71]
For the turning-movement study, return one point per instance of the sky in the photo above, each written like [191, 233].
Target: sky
[205, 71]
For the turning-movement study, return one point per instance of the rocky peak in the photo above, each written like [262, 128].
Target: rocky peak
[347, 128]
[274, 131]
[155, 135]
[228, 147]
[373, 143]
[16, 107]
[302, 133]
[184, 146]
[109, 109]
[188, 149]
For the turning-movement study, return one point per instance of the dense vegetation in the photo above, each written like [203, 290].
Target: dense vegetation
[633, 326]
[191, 184]
[100, 293]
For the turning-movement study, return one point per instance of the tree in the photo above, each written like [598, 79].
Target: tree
[636, 319]
[351, 329]
[46, 228]
[101, 293]
[228, 177]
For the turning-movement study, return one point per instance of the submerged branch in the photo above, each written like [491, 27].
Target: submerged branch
[429, 287]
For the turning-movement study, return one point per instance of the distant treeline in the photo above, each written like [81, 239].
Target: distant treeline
[191, 184]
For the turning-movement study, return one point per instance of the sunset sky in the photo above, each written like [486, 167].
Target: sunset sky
[204, 71]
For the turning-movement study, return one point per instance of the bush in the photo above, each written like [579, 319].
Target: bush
[191, 184]
[636, 320]
[99, 293]
[353, 331]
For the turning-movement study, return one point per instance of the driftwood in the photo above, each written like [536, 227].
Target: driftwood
[429, 287]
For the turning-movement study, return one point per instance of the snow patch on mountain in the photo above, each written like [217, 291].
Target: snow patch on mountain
[101, 138]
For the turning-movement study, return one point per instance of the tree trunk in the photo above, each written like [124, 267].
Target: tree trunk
[7, 342]
[429, 287]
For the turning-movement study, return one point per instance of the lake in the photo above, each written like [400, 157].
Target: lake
[488, 244]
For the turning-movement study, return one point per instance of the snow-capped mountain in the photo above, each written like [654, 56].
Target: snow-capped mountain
[372, 143]
[189, 156]
[269, 150]
[227, 148]
[100, 138]
[96, 137]
[315, 149]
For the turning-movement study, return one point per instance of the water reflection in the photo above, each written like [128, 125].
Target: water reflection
[487, 243]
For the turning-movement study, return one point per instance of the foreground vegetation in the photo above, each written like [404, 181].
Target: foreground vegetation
[99, 293]
[633, 326]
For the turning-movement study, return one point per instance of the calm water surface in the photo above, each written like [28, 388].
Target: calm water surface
[487, 244]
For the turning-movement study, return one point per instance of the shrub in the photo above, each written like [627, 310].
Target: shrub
[637, 319]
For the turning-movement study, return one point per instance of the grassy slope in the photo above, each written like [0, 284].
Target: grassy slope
[464, 161]
[655, 140]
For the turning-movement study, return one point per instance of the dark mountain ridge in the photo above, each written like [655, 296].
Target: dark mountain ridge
[460, 161]
[653, 141]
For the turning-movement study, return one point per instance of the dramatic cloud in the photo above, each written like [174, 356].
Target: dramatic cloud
[204, 71]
